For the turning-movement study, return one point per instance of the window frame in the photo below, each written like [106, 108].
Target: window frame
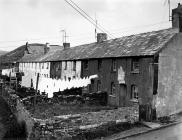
[47, 65]
[134, 92]
[92, 83]
[114, 65]
[98, 85]
[74, 65]
[135, 65]
[85, 63]
[59, 66]
[65, 65]
[113, 88]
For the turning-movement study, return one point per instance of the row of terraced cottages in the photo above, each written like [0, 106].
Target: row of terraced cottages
[145, 68]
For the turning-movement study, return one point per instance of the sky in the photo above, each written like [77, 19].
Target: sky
[41, 21]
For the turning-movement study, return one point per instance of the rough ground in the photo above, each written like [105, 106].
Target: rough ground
[89, 125]
[45, 110]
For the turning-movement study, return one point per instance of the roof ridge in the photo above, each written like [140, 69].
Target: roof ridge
[142, 44]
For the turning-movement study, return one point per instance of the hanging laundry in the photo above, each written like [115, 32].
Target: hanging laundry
[50, 85]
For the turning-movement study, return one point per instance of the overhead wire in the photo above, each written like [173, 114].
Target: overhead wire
[83, 34]
[140, 26]
[87, 18]
[91, 18]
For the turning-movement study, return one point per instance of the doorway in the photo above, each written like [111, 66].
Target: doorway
[122, 94]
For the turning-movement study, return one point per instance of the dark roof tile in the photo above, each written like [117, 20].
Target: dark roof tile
[144, 44]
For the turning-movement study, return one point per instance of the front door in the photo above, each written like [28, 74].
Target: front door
[122, 95]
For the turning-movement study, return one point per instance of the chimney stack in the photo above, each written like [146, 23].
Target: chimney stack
[26, 44]
[177, 17]
[46, 48]
[66, 46]
[101, 37]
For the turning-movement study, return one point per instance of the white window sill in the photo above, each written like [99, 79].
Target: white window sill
[134, 100]
[135, 72]
[113, 96]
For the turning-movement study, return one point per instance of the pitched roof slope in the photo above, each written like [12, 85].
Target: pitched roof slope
[17, 54]
[52, 51]
[33, 52]
[144, 44]
[3, 52]
[40, 55]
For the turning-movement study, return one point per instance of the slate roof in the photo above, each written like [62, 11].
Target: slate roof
[144, 44]
[33, 52]
[39, 55]
[17, 54]
[52, 51]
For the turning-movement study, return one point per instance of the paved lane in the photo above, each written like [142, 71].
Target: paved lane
[169, 133]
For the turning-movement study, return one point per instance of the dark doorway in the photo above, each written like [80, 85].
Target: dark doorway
[122, 94]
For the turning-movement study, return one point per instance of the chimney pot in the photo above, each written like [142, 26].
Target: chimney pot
[66, 46]
[46, 48]
[101, 37]
[47, 45]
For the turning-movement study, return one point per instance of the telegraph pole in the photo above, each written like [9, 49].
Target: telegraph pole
[35, 96]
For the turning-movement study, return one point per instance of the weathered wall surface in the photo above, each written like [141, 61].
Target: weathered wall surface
[55, 70]
[69, 72]
[59, 71]
[123, 76]
[142, 79]
[31, 70]
[169, 97]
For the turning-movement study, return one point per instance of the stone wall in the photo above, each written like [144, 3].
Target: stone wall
[18, 109]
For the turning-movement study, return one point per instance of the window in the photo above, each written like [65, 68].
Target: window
[113, 89]
[74, 65]
[99, 64]
[114, 65]
[134, 92]
[65, 67]
[135, 65]
[69, 78]
[85, 64]
[47, 65]
[35, 65]
[92, 85]
[98, 85]
[42, 65]
[58, 66]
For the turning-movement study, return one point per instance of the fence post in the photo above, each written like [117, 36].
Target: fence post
[37, 83]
